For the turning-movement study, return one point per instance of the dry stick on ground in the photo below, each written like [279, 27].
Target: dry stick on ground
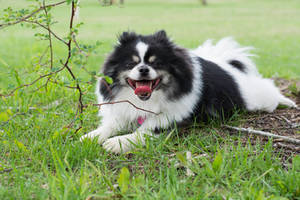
[294, 148]
[189, 172]
[292, 125]
[263, 133]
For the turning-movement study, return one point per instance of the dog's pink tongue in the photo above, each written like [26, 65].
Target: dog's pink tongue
[143, 88]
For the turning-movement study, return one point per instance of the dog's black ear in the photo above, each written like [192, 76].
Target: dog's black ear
[126, 37]
[161, 36]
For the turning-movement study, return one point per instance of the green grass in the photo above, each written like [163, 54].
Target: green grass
[49, 162]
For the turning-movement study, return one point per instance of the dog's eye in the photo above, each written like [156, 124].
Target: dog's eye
[151, 59]
[135, 59]
[131, 64]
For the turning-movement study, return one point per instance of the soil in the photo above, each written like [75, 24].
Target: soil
[283, 121]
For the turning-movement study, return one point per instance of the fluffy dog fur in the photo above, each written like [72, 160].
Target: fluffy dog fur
[154, 74]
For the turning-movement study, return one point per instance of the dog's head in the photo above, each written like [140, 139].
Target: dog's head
[149, 63]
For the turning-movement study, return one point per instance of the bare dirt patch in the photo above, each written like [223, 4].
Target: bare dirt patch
[283, 121]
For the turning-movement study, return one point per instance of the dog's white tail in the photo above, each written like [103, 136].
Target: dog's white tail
[229, 51]
[287, 102]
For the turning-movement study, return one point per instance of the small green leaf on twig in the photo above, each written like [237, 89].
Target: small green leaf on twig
[17, 77]
[108, 79]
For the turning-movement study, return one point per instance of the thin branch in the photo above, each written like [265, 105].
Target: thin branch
[292, 125]
[50, 36]
[78, 47]
[126, 101]
[70, 125]
[293, 148]
[263, 133]
[11, 118]
[52, 81]
[31, 14]
[44, 107]
[57, 83]
[84, 54]
[42, 86]
[29, 18]
[29, 84]
[189, 172]
[69, 56]
[42, 56]
[296, 126]
[48, 29]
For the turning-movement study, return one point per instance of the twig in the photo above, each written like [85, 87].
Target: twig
[291, 124]
[45, 107]
[70, 125]
[29, 18]
[31, 14]
[78, 47]
[263, 133]
[293, 148]
[53, 104]
[50, 37]
[296, 126]
[42, 56]
[11, 118]
[189, 172]
[80, 105]
[126, 101]
[57, 83]
[48, 29]
[286, 120]
[29, 84]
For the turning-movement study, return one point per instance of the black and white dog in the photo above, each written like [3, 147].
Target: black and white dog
[153, 73]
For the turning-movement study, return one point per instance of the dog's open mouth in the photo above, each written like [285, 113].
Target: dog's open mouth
[143, 88]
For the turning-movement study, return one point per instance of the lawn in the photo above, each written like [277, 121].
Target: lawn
[40, 159]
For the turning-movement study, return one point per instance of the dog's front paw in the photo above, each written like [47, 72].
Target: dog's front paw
[95, 134]
[118, 144]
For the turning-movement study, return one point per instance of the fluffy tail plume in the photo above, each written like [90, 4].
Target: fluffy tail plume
[229, 51]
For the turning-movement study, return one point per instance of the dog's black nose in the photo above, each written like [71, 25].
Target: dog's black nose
[144, 70]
